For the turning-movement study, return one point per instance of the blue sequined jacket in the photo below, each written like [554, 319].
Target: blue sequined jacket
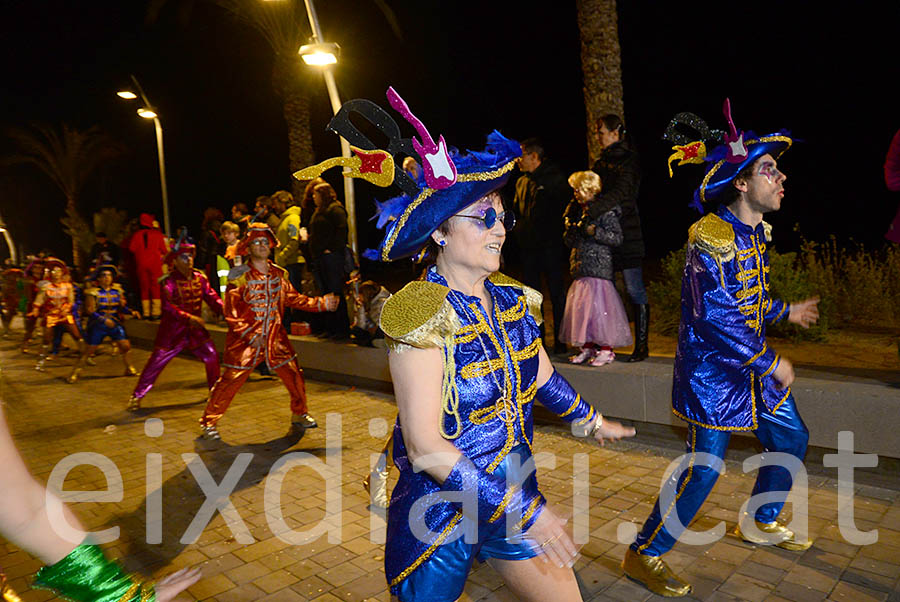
[723, 365]
[428, 314]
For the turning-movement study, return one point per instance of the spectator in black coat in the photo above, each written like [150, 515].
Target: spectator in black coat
[328, 250]
[542, 193]
[620, 173]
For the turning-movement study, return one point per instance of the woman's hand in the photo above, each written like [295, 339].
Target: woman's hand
[804, 313]
[611, 430]
[549, 536]
[174, 584]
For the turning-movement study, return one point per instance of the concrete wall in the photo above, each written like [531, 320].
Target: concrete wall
[640, 392]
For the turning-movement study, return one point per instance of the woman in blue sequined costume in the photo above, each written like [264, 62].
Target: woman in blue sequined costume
[467, 364]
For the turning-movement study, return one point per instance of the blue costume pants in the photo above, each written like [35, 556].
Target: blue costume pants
[781, 431]
[442, 577]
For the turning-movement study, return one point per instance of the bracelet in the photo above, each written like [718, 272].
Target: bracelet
[597, 424]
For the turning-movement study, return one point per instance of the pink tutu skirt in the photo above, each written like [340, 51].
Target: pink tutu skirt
[595, 314]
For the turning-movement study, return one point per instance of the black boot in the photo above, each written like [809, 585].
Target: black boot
[641, 332]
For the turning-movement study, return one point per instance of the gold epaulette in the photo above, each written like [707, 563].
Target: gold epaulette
[92, 291]
[533, 298]
[419, 315]
[767, 231]
[713, 235]
[118, 287]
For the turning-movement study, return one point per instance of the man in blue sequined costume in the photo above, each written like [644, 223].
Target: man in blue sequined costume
[727, 378]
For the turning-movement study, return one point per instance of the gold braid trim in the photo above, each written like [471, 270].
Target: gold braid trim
[690, 473]
[503, 504]
[483, 176]
[783, 399]
[449, 392]
[714, 236]
[767, 231]
[532, 507]
[572, 407]
[765, 347]
[425, 555]
[532, 297]
[419, 315]
[127, 596]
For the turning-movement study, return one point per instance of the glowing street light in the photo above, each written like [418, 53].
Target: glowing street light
[147, 112]
[319, 55]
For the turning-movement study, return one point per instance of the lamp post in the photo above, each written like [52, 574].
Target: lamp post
[9, 241]
[147, 112]
[322, 54]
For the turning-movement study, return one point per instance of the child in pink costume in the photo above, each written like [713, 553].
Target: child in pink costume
[595, 318]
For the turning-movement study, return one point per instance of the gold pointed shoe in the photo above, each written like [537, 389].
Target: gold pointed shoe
[303, 421]
[73, 377]
[90, 361]
[134, 404]
[130, 371]
[775, 534]
[654, 574]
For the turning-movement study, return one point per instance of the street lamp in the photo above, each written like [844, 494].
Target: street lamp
[147, 112]
[324, 55]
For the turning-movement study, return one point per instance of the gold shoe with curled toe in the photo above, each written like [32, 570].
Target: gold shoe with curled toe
[774, 534]
[654, 574]
[134, 403]
[73, 377]
[130, 371]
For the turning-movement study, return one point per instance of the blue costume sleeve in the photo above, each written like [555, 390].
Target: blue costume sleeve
[496, 498]
[776, 311]
[716, 314]
[559, 397]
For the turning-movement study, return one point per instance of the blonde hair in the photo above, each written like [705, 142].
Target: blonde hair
[230, 227]
[586, 181]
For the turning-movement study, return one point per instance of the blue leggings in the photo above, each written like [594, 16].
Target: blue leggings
[781, 431]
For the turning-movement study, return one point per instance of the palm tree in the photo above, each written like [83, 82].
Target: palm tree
[68, 158]
[601, 62]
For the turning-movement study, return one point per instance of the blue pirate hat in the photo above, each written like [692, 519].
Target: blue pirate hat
[734, 151]
[411, 220]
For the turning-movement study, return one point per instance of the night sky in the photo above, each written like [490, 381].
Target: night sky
[464, 68]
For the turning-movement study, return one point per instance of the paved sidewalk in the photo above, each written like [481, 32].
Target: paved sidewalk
[51, 420]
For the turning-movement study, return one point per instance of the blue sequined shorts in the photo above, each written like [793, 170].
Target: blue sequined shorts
[443, 576]
[96, 334]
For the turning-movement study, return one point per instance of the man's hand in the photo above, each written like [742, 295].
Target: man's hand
[108, 323]
[784, 373]
[804, 313]
[590, 229]
[197, 321]
[330, 301]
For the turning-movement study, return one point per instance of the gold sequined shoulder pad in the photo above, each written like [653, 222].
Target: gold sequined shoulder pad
[711, 234]
[419, 315]
[92, 291]
[767, 231]
[533, 298]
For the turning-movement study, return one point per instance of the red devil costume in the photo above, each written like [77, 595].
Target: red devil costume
[254, 306]
[148, 245]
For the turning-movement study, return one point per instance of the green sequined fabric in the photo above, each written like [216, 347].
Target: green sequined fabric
[86, 575]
